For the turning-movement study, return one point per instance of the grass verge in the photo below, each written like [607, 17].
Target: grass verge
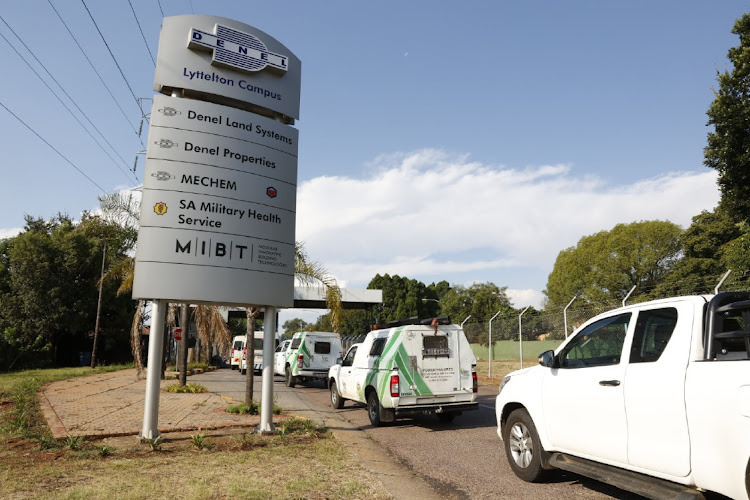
[299, 461]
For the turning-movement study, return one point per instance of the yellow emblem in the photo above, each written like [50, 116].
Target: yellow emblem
[160, 208]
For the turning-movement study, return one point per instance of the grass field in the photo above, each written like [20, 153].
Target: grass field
[300, 461]
[508, 350]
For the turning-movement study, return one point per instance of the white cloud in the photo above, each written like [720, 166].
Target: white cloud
[429, 213]
[523, 298]
[10, 232]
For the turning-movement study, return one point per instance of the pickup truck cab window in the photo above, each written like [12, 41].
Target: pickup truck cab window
[598, 344]
[653, 329]
[349, 359]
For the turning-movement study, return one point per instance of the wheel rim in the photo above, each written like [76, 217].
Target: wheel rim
[373, 409]
[521, 445]
[333, 394]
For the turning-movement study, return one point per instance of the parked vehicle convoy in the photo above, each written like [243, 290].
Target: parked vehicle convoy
[653, 398]
[235, 356]
[309, 356]
[410, 367]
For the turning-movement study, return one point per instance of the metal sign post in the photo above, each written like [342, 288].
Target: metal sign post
[266, 401]
[153, 374]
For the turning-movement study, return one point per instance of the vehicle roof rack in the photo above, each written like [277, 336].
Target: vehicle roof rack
[413, 320]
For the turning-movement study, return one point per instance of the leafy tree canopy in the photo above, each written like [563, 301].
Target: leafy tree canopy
[728, 146]
[602, 268]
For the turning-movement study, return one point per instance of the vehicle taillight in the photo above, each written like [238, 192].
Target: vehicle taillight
[475, 386]
[394, 386]
[300, 360]
[244, 353]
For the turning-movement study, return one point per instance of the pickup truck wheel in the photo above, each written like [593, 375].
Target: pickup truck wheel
[336, 400]
[290, 379]
[373, 409]
[522, 446]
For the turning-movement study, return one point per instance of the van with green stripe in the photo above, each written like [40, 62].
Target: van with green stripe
[413, 367]
[310, 356]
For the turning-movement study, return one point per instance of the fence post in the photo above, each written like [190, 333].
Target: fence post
[520, 339]
[565, 314]
[489, 372]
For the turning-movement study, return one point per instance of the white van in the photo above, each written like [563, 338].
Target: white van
[415, 367]
[310, 356]
[258, 361]
[235, 355]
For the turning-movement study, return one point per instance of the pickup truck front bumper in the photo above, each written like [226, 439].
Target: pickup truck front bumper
[426, 409]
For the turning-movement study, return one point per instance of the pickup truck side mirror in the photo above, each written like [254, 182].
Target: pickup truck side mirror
[339, 361]
[549, 360]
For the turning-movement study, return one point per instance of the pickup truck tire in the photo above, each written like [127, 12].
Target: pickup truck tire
[522, 446]
[336, 400]
[289, 379]
[373, 409]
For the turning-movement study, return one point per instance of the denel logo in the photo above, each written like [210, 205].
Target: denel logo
[236, 49]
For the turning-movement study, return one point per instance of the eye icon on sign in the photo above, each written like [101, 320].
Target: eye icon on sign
[166, 143]
[160, 208]
[271, 192]
[169, 111]
[162, 176]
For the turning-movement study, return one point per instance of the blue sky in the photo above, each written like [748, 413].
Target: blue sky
[465, 141]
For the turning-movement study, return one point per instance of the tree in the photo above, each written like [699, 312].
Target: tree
[704, 245]
[294, 325]
[728, 148]
[481, 301]
[602, 268]
[49, 282]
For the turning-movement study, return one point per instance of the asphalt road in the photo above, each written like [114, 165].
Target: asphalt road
[461, 459]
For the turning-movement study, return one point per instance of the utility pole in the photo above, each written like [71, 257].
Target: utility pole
[98, 307]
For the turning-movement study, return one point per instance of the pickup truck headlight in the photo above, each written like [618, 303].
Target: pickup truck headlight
[505, 381]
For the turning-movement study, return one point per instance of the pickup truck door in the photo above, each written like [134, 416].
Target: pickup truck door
[347, 384]
[583, 399]
[658, 438]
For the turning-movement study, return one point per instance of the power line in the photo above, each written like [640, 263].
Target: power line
[141, 30]
[110, 52]
[52, 147]
[95, 70]
[62, 102]
[63, 90]
[162, 10]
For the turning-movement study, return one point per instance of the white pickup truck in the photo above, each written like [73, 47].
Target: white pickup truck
[415, 367]
[653, 398]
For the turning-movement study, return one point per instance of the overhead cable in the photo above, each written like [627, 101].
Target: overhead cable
[94, 68]
[141, 30]
[52, 147]
[110, 52]
[63, 89]
[63, 103]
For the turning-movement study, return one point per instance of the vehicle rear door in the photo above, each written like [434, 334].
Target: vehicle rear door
[434, 354]
[583, 401]
[320, 352]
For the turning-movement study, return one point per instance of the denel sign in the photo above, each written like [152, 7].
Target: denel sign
[218, 208]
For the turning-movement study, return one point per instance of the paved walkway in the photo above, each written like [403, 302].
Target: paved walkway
[111, 404]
